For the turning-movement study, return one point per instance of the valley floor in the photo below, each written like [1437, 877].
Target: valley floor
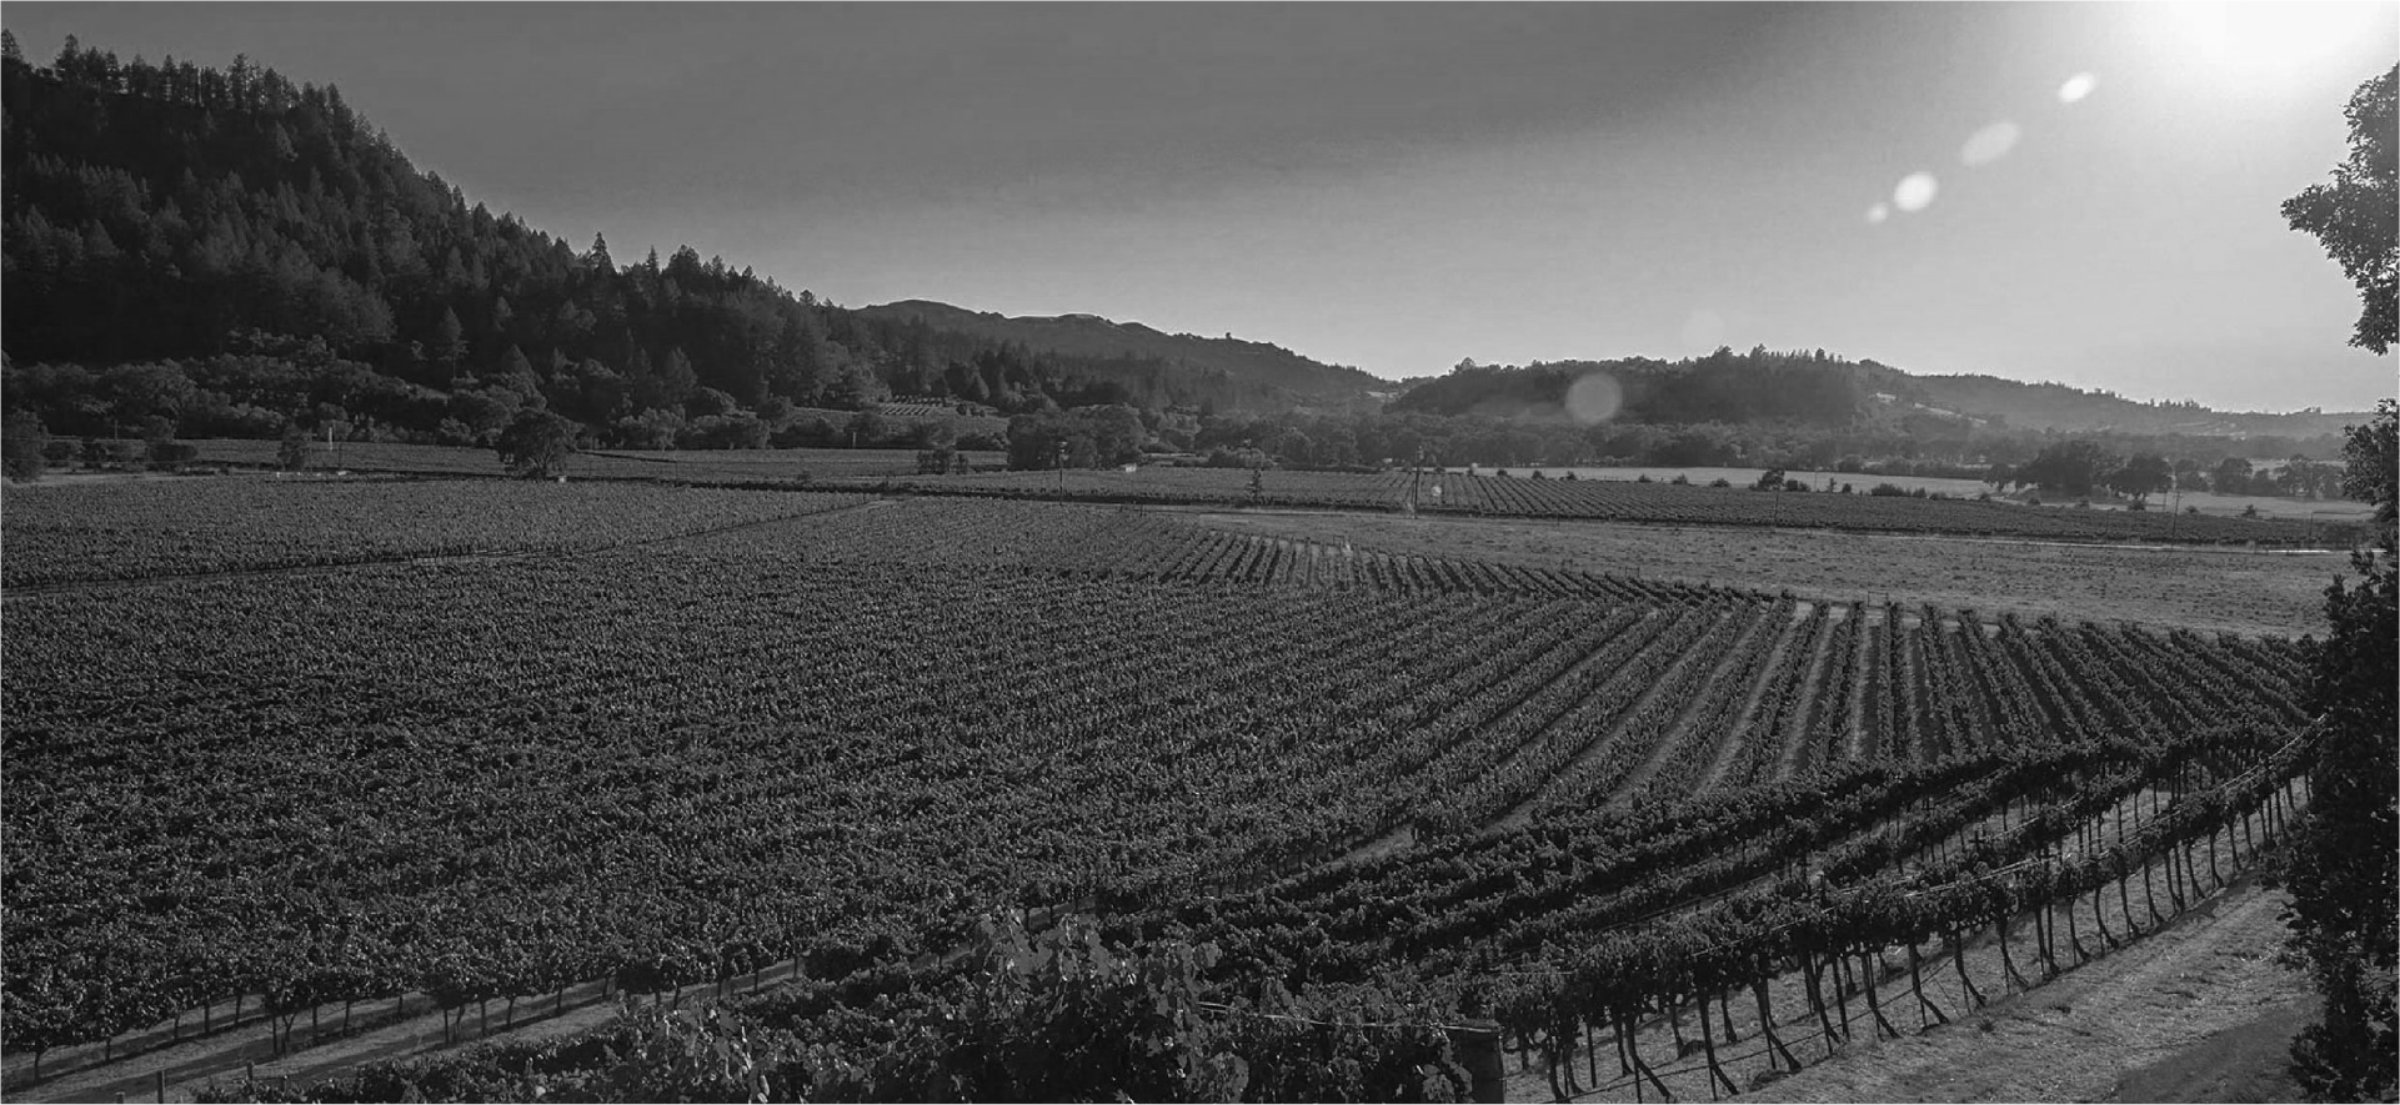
[2228, 590]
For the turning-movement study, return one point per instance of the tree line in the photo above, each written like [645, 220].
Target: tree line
[242, 255]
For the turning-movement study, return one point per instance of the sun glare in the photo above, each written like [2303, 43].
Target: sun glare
[2262, 41]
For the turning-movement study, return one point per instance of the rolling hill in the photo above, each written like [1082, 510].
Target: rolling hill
[1260, 375]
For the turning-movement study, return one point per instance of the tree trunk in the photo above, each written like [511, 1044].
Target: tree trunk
[1642, 1070]
[1816, 999]
[2100, 918]
[1916, 985]
[2074, 938]
[1875, 1004]
[1958, 962]
[1708, 1045]
[2006, 960]
[2125, 899]
[1841, 996]
[1766, 1023]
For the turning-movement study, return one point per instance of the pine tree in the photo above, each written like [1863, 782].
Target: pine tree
[449, 348]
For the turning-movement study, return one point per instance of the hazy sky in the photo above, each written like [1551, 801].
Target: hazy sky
[1399, 187]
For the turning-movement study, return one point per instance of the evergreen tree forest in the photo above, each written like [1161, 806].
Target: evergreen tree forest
[240, 256]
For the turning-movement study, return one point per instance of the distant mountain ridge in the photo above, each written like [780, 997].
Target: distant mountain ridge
[2052, 406]
[1831, 391]
[1260, 375]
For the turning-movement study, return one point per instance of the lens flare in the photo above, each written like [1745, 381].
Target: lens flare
[1915, 192]
[1990, 144]
[2076, 88]
[1594, 399]
[1878, 213]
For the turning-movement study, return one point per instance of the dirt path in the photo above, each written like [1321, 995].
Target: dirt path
[1804, 719]
[1730, 748]
[1678, 729]
[1523, 811]
[1855, 703]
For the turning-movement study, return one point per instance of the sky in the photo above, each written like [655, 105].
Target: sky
[2085, 193]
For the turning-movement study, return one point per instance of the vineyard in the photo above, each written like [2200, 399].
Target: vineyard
[153, 529]
[735, 467]
[521, 736]
[1620, 501]
[889, 471]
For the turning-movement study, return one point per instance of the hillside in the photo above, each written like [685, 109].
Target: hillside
[2048, 406]
[1814, 388]
[1255, 375]
[228, 253]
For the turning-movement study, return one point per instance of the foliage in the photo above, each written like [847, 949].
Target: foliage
[537, 444]
[2344, 868]
[912, 715]
[167, 215]
[293, 453]
[1759, 386]
[1086, 437]
[2074, 467]
[24, 446]
[2357, 216]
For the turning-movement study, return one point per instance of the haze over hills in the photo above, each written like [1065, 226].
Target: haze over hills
[1259, 374]
[246, 257]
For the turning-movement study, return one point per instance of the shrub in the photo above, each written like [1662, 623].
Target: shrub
[25, 445]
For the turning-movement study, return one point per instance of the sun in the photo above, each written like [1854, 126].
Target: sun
[2269, 40]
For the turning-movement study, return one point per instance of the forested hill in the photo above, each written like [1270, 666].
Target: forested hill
[2067, 409]
[1259, 375]
[1814, 388]
[1759, 386]
[239, 255]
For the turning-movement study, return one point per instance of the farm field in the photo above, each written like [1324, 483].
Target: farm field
[744, 728]
[144, 529]
[2334, 510]
[1456, 493]
[770, 466]
[2230, 590]
[1744, 477]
